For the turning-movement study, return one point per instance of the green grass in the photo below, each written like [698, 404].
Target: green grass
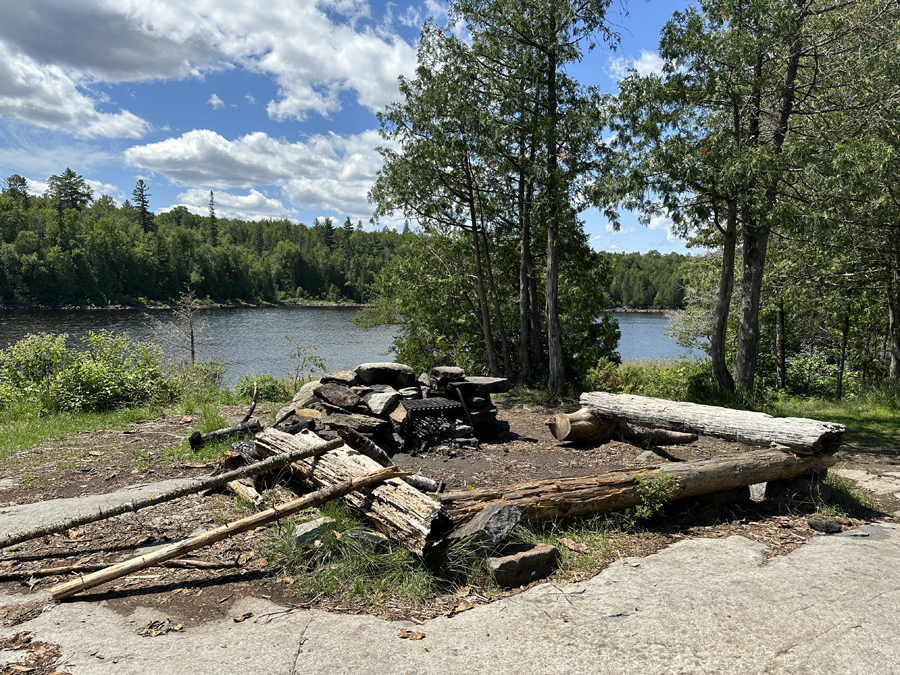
[869, 421]
[23, 428]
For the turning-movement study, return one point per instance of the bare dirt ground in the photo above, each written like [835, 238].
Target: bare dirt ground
[102, 461]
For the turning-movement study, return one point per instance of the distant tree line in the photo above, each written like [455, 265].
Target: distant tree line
[66, 247]
[646, 281]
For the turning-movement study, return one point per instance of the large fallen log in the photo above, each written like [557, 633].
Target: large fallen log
[802, 436]
[616, 490]
[400, 511]
[583, 426]
[200, 485]
[118, 570]
[197, 440]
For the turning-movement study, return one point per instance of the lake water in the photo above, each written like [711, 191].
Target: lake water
[255, 340]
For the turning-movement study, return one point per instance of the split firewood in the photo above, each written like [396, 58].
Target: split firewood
[199, 486]
[371, 450]
[197, 440]
[179, 549]
[245, 488]
[616, 490]
[398, 510]
[803, 436]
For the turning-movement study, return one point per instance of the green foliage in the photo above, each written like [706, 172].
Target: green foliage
[646, 281]
[269, 387]
[305, 363]
[108, 371]
[654, 492]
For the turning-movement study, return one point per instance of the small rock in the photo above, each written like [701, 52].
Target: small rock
[462, 431]
[758, 492]
[410, 393]
[369, 539]
[491, 526]
[308, 532]
[364, 424]
[648, 456]
[337, 395]
[823, 525]
[379, 403]
[448, 373]
[397, 375]
[345, 377]
[520, 564]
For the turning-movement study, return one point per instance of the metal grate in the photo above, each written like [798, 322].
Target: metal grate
[422, 409]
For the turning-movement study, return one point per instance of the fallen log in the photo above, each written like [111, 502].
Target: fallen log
[241, 489]
[800, 435]
[177, 550]
[398, 510]
[199, 486]
[25, 575]
[583, 426]
[197, 440]
[616, 490]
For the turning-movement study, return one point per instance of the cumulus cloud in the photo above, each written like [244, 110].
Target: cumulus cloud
[252, 206]
[645, 64]
[313, 51]
[622, 230]
[216, 102]
[663, 223]
[101, 189]
[326, 171]
[47, 96]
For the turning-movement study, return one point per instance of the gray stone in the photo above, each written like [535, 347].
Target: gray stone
[520, 564]
[380, 403]
[880, 485]
[462, 431]
[362, 391]
[410, 393]
[758, 492]
[490, 526]
[479, 401]
[650, 457]
[308, 532]
[337, 395]
[397, 375]
[364, 424]
[306, 395]
[345, 377]
[481, 386]
[447, 373]
[824, 525]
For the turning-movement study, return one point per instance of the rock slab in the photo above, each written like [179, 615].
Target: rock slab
[397, 375]
[491, 526]
[520, 564]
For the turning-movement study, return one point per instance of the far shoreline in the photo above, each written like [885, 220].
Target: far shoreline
[211, 305]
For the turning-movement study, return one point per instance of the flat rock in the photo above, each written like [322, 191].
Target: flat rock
[491, 526]
[364, 424]
[481, 386]
[337, 395]
[648, 456]
[410, 393]
[880, 485]
[380, 403]
[308, 532]
[368, 539]
[347, 378]
[520, 564]
[824, 525]
[305, 396]
[447, 373]
[396, 375]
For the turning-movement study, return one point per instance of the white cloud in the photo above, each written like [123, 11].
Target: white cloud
[36, 187]
[328, 172]
[47, 96]
[314, 51]
[250, 99]
[216, 102]
[622, 230]
[645, 64]
[663, 223]
[411, 17]
[101, 189]
[252, 206]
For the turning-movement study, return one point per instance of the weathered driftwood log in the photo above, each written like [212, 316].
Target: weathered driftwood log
[578, 495]
[212, 536]
[584, 425]
[24, 575]
[197, 439]
[264, 466]
[802, 436]
[400, 511]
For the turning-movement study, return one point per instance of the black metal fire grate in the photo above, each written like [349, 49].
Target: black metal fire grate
[421, 411]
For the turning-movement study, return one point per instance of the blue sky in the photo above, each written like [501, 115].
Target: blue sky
[270, 104]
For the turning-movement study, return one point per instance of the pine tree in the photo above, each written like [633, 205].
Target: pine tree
[142, 203]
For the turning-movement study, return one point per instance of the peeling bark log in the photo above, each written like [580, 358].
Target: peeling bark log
[116, 571]
[398, 510]
[241, 489]
[616, 490]
[800, 435]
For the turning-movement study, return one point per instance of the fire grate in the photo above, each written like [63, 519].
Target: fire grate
[421, 410]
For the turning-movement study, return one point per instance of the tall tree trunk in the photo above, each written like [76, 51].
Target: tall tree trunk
[557, 378]
[723, 301]
[781, 365]
[525, 372]
[894, 316]
[755, 241]
[534, 303]
[839, 393]
[495, 296]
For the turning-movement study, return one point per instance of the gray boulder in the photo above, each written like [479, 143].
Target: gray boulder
[396, 375]
[490, 526]
[520, 564]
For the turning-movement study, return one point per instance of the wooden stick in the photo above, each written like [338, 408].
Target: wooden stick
[201, 485]
[252, 407]
[24, 575]
[70, 588]
[197, 440]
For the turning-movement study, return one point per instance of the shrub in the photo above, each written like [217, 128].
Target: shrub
[269, 387]
[108, 371]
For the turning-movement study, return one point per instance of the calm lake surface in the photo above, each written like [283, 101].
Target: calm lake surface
[255, 340]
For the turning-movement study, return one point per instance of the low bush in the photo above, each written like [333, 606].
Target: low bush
[104, 371]
[269, 387]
